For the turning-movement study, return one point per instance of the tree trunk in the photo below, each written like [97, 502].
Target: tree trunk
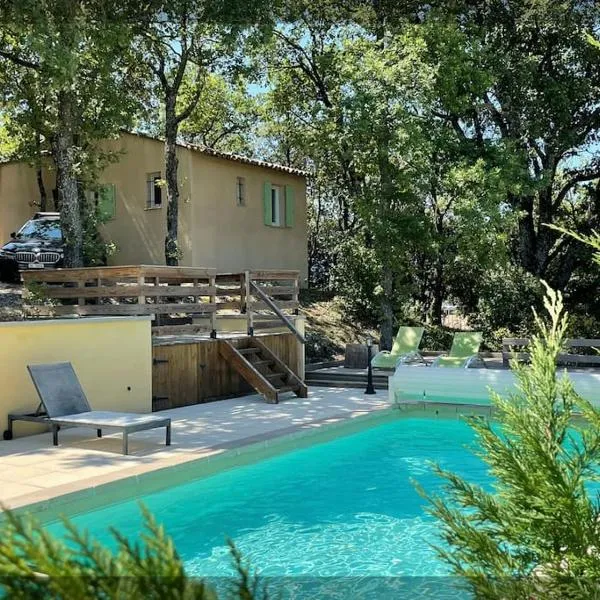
[42, 190]
[66, 182]
[39, 174]
[171, 164]
[387, 310]
[437, 300]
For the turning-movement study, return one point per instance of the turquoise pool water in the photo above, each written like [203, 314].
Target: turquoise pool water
[337, 519]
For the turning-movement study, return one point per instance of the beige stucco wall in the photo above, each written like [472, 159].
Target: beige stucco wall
[235, 238]
[213, 230]
[139, 232]
[108, 354]
[18, 194]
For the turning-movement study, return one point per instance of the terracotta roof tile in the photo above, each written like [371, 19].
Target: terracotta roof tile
[230, 156]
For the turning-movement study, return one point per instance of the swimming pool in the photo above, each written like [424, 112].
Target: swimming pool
[320, 521]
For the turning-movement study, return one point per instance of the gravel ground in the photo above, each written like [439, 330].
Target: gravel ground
[11, 302]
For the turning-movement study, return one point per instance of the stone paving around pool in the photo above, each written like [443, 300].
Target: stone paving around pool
[33, 471]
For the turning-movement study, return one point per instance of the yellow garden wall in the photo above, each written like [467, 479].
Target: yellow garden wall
[109, 355]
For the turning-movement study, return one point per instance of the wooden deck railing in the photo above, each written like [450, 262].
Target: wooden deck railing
[516, 348]
[198, 296]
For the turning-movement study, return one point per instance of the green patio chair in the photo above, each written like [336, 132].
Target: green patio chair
[464, 352]
[404, 350]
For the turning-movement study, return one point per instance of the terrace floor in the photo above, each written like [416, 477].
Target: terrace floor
[32, 470]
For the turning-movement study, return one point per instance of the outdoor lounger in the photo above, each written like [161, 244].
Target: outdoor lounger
[405, 349]
[63, 402]
[464, 351]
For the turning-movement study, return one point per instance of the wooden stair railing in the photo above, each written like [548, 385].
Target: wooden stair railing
[263, 370]
[273, 307]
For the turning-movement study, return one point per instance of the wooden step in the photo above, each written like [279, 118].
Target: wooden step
[299, 387]
[287, 388]
[266, 384]
[245, 368]
[247, 351]
[261, 363]
[273, 376]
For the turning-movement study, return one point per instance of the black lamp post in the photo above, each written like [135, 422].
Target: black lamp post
[370, 389]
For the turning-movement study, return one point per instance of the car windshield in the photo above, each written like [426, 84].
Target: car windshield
[41, 229]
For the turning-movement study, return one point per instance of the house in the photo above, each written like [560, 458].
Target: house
[235, 213]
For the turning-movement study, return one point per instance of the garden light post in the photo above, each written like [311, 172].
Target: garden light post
[370, 389]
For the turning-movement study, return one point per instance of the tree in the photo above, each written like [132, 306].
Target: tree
[225, 117]
[183, 42]
[537, 533]
[75, 58]
[519, 83]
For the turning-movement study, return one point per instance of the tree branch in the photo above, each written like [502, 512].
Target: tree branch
[18, 60]
[579, 178]
[193, 102]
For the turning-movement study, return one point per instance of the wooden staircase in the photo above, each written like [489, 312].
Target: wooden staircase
[262, 369]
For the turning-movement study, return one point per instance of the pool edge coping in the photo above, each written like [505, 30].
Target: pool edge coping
[67, 494]
[131, 483]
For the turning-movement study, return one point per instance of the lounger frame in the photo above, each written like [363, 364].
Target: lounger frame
[56, 423]
[73, 408]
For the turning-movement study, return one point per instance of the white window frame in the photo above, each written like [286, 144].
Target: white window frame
[276, 208]
[240, 191]
[151, 191]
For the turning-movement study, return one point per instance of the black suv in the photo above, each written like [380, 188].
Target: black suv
[38, 244]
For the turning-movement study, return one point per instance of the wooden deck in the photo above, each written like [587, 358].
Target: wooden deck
[182, 299]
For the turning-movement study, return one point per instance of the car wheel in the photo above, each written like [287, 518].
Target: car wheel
[7, 435]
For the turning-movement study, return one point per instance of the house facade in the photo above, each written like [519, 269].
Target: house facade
[234, 213]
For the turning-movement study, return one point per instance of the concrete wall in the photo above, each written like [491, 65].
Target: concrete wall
[119, 357]
[213, 230]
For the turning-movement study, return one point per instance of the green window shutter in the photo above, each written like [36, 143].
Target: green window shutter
[107, 202]
[290, 206]
[268, 213]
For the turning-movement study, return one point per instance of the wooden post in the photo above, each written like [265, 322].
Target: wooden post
[249, 315]
[212, 282]
[81, 299]
[141, 298]
[242, 293]
[295, 295]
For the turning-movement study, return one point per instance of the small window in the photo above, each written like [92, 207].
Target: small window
[154, 196]
[276, 206]
[240, 191]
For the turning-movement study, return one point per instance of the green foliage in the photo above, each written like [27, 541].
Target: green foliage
[225, 116]
[319, 348]
[536, 533]
[35, 564]
[356, 279]
[504, 301]
[437, 338]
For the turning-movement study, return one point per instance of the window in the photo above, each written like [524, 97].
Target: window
[154, 197]
[41, 229]
[276, 206]
[279, 205]
[240, 191]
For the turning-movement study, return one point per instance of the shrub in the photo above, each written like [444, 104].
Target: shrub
[506, 297]
[437, 338]
[319, 348]
[35, 564]
[537, 534]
